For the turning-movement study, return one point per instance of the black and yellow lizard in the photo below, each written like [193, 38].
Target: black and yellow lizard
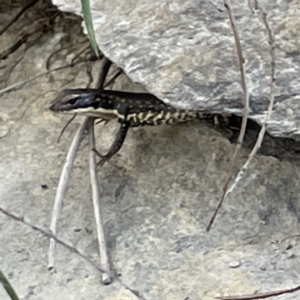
[130, 109]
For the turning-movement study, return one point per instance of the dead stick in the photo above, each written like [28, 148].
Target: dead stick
[63, 181]
[105, 66]
[245, 114]
[71, 249]
[19, 14]
[62, 187]
[97, 204]
[20, 84]
[103, 252]
[270, 107]
[260, 295]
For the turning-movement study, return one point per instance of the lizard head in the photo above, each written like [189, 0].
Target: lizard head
[70, 104]
[79, 101]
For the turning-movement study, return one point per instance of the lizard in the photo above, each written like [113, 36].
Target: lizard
[130, 109]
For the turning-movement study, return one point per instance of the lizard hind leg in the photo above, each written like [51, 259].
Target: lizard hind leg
[116, 146]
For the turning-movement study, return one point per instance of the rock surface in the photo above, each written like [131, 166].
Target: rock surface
[157, 195]
[184, 53]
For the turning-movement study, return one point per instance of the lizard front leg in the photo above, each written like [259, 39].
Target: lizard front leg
[117, 144]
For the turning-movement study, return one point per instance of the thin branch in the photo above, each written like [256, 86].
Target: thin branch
[114, 77]
[62, 187]
[72, 249]
[103, 252]
[88, 72]
[97, 204]
[260, 295]
[69, 47]
[20, 84]
[270, 107]
[106, 64]
[65, 127]
[246, 110]
[65, 174]
[41, 27]
[79, 53]
[19, 14]
[28, 46]
[250, 6]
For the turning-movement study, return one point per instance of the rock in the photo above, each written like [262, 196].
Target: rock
[157, 196]
[184, 53]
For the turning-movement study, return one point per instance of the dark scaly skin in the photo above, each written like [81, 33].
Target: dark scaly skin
[131, 110]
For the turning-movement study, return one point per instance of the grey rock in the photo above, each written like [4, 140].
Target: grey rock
[157, 196]
[184, 53]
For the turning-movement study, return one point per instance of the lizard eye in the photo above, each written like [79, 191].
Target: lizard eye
[73, 101]
[81, 101]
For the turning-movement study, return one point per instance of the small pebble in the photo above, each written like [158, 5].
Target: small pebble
[234, 264]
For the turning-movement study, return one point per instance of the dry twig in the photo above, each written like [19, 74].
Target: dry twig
[113, 78]
[260, 295]
[97, 204]
[255, 149]
[104, 259]
[41, 27]
[19, 85]
[106, 64]
[87, 123]
[19, 14]
[15, 64]
[65, 127]
[270, 107]
[69, 47]
[246, 110]
[62, 187]
[72, 249]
